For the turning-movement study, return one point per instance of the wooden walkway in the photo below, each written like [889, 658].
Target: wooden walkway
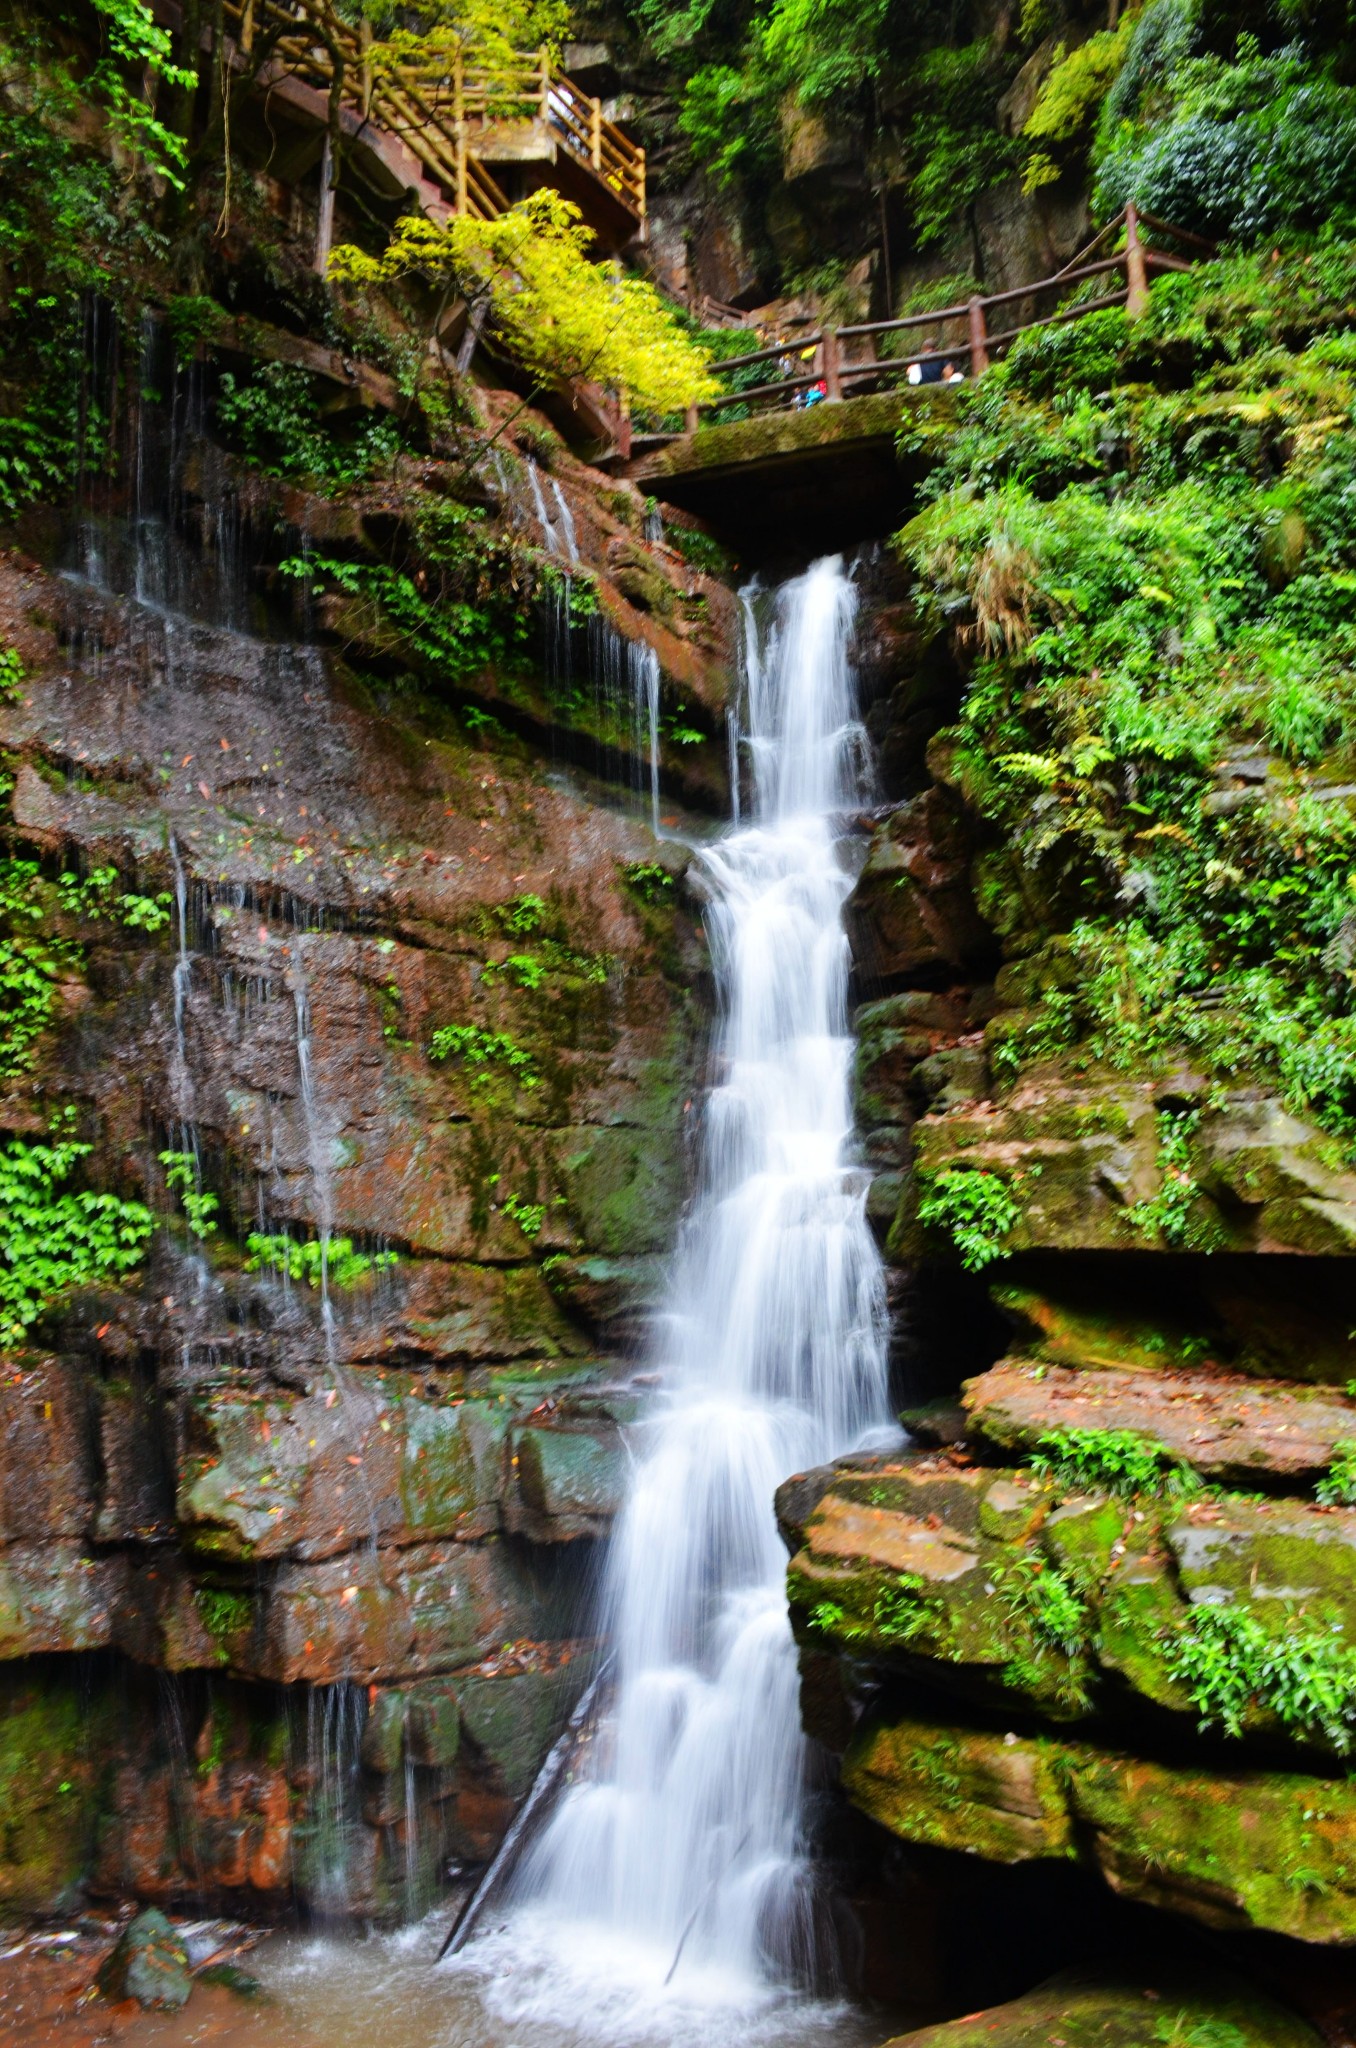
[846, 362]
[454, 119]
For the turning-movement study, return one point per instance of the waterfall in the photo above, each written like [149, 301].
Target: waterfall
[675, 1871]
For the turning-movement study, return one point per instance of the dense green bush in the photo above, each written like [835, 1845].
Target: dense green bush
[1261, 145]
[1148, 584]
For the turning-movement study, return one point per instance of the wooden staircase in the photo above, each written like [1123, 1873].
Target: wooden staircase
[454, 118]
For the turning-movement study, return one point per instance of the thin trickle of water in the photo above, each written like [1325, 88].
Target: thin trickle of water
[650, 668]
[182, 1771]
[317, 1143]
[332, 1761]
[181, 1081]
[550, 538]
[616, 682]
[415, 1902]
[677, 1870]
[566, 523]
[654, 525]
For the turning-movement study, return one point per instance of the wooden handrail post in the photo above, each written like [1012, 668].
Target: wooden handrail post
[459, 94]
[365, 44]
[1136, 274]
[247, 28]
[830, 366]
[544, 60]
[624, 427]
[979, 338]
[461, 167]
[690, 419]
[596, 133]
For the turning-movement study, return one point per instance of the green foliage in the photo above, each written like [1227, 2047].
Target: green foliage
[700, 550]
[558, 313]
[522, 914]
[978, 1208]
[35, 956]
[952, 289]
[1144, 583]
[528, 970]
[725, 119]
[1179, 2030]
[1169, 1213]
[53, 1237]
[11, 674]
[223, 1612]
[1062, 120]
[32, 961]
[676, 733]
[273, 416]
[137, 53]
[454, 635]
[648, 880]
[193, 322]
[1229, 1662]
[67, 222]
[547, 969]
[529, 1216]
[311, 1261]
[1261, 146]
[1338, 1487]
[901, 1611]
[1116, 1461]
[955, 146]
[183, 1177]
[488, 1056]
[1047, 1608]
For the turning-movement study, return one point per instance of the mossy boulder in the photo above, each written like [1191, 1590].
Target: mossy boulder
[148, 1963]
[569, 1481]
[55, 1597]
[955, 1788]
[1084, 1158]
[1016, 1587]
[1156, 2010]
[1240, 1848]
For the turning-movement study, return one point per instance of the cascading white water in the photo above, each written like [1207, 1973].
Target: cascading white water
[677, 1868]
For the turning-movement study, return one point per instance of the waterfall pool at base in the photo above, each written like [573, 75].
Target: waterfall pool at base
[383, 1991]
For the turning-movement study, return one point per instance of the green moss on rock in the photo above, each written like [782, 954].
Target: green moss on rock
[55, 1751]
[1158, 2010]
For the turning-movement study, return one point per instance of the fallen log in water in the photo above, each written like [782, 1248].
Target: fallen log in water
[532, 1815]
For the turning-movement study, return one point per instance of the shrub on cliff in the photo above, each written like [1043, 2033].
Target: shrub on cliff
[1263, 146]
[1153, 591]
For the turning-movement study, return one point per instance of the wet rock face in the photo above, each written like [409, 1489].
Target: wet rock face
[418, 1046]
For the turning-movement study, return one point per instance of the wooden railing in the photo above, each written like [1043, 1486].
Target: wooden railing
[835, 370]
[438, 106]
